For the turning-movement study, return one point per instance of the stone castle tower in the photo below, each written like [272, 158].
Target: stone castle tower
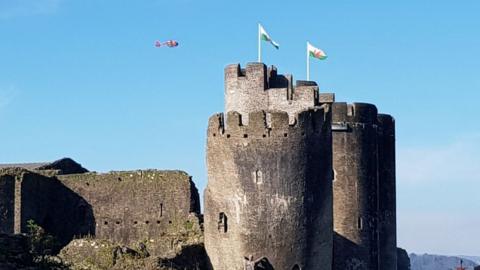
[269, 194]
[271, 164]
[363, 188]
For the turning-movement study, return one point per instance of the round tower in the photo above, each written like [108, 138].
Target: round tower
[387, 218]
[355, 201]
[269, 195]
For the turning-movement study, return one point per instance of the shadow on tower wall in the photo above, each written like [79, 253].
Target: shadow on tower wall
[56, 208]
[191, 257]
[342, 248]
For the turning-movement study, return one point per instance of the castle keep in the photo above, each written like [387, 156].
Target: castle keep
[322, 196]
[296, 181]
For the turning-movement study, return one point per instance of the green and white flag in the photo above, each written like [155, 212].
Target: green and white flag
[266, 37]
[315, 52]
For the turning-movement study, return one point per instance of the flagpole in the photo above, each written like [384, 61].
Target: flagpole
[308, 64]
[259, 45]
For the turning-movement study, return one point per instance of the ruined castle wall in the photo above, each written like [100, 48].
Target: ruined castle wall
[123, 207]
[49, 204]
[387, 227]
[355, 186]
[257, 88]
[35, 198]
[7, 203]
[129, 207]
[269, 193]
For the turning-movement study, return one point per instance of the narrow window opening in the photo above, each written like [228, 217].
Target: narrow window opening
[161, 210]
[258, 177]
[285, 134]
[264, 135]
[105, 223]
[214, 134]
[146, 222]
[228, 135]
[158, 221]
[117, 222]
[222, 222]
[360, 223]
[245, 135]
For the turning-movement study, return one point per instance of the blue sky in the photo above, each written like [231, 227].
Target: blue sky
[82, 79]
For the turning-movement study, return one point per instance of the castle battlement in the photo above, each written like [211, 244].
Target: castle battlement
[256, 88]
[354, 113]
[264, 124]
[386, 123]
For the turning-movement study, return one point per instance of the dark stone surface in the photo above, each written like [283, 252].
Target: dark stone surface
[403, 261]
[191, 257]
[387, 210]
[64, 166]
[14, 252]
[61, 166]
[7, 203]
[55, 207]
[355, 187]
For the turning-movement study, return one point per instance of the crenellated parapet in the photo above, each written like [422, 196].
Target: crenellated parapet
[266, 124]
[386, 123]
[256, 88]
[354, 113]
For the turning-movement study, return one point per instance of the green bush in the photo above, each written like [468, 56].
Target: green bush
[43, 247]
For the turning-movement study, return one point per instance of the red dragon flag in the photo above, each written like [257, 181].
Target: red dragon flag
[314, 52]
[168, 43]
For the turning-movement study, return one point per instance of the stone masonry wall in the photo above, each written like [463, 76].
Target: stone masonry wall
[7, 203]
[124, 207]
[43, 199]
[129, 207]
[269, 193]
[257, 88]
